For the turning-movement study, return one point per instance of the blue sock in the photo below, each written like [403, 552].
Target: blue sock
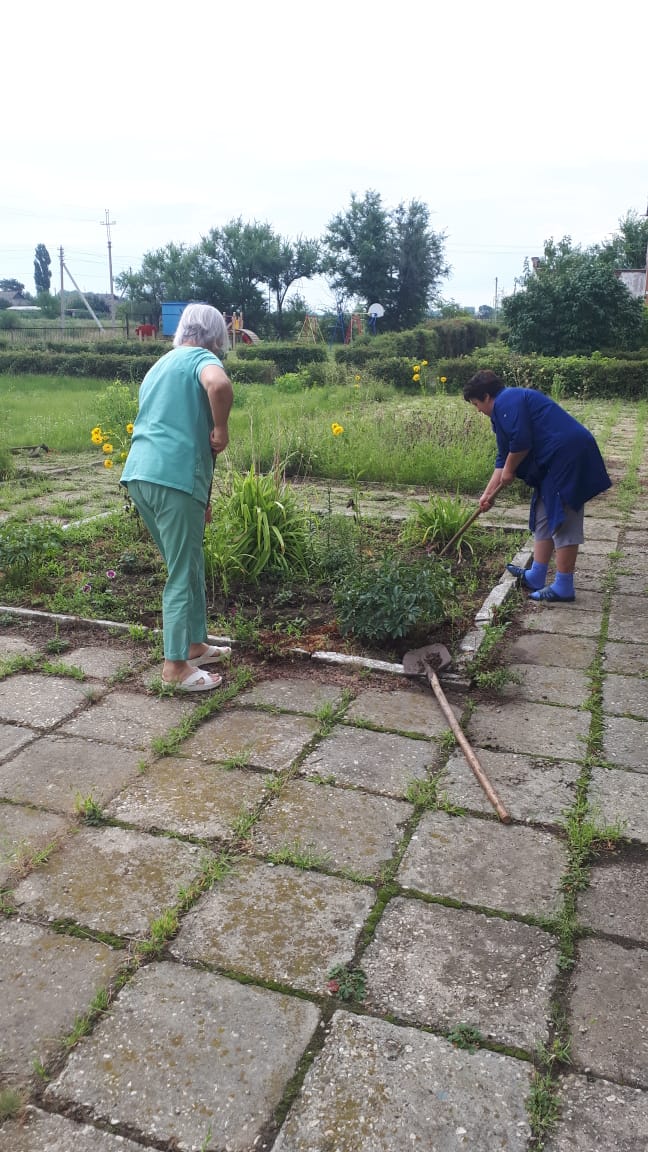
[563, 584]
[536, 575]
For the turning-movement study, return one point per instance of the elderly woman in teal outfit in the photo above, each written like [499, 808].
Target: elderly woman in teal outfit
[540, 443]
[182, 424]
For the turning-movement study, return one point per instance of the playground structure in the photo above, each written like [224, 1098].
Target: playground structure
[237, 333]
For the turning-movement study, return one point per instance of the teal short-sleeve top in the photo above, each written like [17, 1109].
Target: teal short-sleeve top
[170, 443]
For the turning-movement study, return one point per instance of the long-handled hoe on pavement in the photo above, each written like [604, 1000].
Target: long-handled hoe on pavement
[421, 662]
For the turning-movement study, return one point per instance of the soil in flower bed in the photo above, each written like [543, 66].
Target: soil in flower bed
[117, 576]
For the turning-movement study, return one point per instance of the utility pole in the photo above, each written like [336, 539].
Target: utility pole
[62, 289]
[106, 224]
[496, 297]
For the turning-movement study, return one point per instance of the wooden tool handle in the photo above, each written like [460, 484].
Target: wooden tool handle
[466, 749]
[464, 527]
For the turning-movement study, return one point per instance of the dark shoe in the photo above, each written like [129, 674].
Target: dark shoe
[520, 576]
[515, 570]
[549, 596]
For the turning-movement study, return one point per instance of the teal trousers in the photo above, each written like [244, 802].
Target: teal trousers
[176, 522]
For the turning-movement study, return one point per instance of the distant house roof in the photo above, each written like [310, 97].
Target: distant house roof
[23, 308]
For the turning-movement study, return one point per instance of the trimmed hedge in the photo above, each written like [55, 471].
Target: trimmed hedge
[584, 377]
[458, 337]
[251, 371]
[96, 365]
[286, 357]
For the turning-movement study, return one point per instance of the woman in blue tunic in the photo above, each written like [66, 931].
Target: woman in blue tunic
[184, 406]
[540, 443]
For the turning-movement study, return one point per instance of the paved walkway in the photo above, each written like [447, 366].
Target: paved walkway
[296, 923]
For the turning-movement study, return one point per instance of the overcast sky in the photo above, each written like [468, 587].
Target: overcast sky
[513, 122]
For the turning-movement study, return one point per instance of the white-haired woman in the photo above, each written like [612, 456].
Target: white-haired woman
[184, 405]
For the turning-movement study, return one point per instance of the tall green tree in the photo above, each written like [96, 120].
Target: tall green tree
[42, 274]
[420, 263]
[170, 273]
[13, 286]
[289, 262]
[358, 255]
[242, 254]
[628, 248]
[572, 302]
[393, 258]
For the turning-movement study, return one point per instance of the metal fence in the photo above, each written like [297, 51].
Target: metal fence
[81, 333]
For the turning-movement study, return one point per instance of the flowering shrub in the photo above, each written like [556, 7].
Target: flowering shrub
[113, 431]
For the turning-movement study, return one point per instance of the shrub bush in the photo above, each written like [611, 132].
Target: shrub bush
[578, 376]
[250, 371]
[393, 600]
[286, 357]
[92, 364]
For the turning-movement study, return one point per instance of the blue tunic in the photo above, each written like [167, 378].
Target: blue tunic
[170, 444]
[564, 464]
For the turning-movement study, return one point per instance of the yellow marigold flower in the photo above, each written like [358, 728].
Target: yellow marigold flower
[96, 437]
[337, 429]
[129, 429]
[96, 431]
[443, 379]
[424, 363]
[357, 378]
[123, 455]
[416, 377]
[107, 448]
[108, 462]
[416, 368]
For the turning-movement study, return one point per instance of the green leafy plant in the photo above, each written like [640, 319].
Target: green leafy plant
[436, 522]
[391, 600]
[23, 547]
[347, 983]
[88, 809]
[268, 530]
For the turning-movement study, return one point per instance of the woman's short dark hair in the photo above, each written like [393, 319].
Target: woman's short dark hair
[481, 385]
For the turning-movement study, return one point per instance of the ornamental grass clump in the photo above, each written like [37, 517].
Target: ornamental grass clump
[257, 527]
[434, 524]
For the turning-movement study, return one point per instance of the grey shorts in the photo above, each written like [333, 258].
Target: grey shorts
[569, 532]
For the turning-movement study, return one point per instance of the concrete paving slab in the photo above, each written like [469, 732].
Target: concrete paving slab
[481, 863]
[251, 737]
[594, 547]
[189, 1059]
[40, 701]
[628, 619]
[616, 901]
[521, 726]
[12, 738]
[351, 831]
[189, 798]
[16, 646]
[377, 761]
[609, 1012]
[38, 1131]
[625, 742]
[24, 832]
[635, 585]
[626, 695]
[597, 1115]
[111, 880]
[619, 797]
[565, 619]
[626, 658]
[47, 981]
[554, 649]
[531, 789]
[414, 709]
[548, 685]
[296, 694]
[381, 1088]
[275, 922]
[438, 967]
[59, 769]
[602, 529]
[129, 719]
[99, 662]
